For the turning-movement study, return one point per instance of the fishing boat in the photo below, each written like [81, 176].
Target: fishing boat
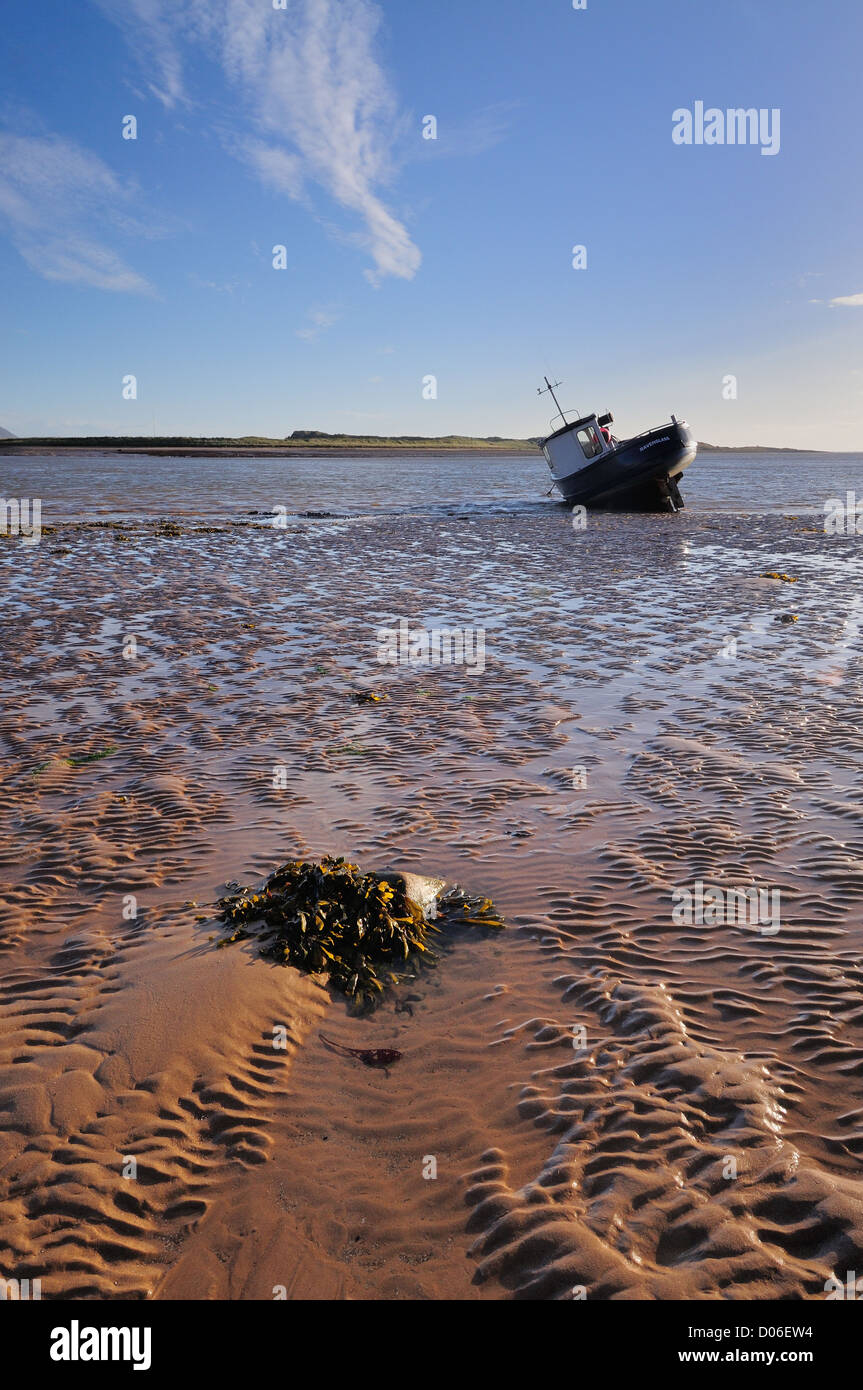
[592, 468]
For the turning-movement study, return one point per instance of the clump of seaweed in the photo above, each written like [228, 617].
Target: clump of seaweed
[362, 931]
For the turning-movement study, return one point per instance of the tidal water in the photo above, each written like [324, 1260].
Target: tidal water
[116, 486]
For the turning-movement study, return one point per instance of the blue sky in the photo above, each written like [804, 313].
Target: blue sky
[408, 257]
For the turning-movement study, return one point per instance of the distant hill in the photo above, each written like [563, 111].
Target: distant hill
[757, 449]
[414, 441]
[7, 434]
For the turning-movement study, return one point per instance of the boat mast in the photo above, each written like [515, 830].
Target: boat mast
[550, 390]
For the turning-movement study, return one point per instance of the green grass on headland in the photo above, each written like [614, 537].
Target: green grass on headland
[301, 441]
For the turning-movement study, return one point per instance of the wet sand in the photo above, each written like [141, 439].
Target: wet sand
[602, 1167]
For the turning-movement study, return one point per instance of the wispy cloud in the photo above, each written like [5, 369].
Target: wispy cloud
[151, 30]
[319, 321]
[219, 286]
[474, 135]
[320, 110]
[848, 301]
[56, 199]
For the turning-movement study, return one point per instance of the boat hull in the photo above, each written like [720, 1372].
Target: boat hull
[638, 474]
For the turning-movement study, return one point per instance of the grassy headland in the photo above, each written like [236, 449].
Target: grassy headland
[300, 442]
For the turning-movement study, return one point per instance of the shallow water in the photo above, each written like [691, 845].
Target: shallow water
[117, 486]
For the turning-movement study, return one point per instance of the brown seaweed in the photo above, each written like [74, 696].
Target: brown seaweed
[360, 930]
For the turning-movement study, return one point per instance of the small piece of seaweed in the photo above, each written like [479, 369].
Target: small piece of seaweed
[76, 762]
[91, 757]
[369, 1056]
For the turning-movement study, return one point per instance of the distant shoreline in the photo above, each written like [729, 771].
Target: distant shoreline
[263, 451]
[319, 446]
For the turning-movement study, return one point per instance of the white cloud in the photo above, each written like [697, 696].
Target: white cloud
[55, 197]
[278, 168]
[850, 301]
[320, 108]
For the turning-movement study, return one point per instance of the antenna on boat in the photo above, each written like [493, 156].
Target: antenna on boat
[550, 390]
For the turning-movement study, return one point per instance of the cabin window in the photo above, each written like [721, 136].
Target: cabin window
[591, 444]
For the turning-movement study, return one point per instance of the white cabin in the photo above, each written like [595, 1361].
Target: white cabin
[575, 445]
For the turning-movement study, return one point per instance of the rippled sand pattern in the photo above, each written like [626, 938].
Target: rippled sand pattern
[701, 1138]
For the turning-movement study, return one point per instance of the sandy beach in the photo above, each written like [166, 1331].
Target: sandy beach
[614, 1102]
